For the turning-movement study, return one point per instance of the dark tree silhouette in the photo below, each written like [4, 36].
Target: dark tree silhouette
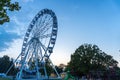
[88, 58]
[5, 63]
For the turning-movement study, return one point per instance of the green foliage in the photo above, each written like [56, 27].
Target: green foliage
[5, 79]
[5, 63]
[88, 58]
[5, 6]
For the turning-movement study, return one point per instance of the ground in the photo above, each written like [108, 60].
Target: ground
[4, 79]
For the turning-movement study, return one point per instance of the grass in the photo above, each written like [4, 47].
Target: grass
[5, 79]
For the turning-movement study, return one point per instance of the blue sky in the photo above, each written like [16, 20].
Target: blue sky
[79, 22]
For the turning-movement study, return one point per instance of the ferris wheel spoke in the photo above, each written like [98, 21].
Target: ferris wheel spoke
[43, 32]
[44, 47]
[40, 52]
[31, 51]
[47, 25]
[27, 50]
[38, 30]
[43, 29]
[47, 22]
[46, 17]
[31, 47]
[45, 36]
[43, 21]
[47, 29]
[38, 23]
[28, 59]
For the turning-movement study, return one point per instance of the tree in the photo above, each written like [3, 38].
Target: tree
[88, 58]
[5, 63]
[5, 6]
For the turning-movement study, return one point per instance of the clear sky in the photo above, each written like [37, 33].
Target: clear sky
[79, 22]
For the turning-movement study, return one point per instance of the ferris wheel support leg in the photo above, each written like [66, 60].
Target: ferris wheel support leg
[46, 75]
[54, 68]
[19, 76]
[38, 74]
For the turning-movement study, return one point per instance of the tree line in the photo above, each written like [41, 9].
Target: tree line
[6, 62]
[87, 60]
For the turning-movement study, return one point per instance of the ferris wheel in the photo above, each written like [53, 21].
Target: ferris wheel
[38, 45]
[41, 34]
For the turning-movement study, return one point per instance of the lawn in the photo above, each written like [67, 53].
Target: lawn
[5, 79]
